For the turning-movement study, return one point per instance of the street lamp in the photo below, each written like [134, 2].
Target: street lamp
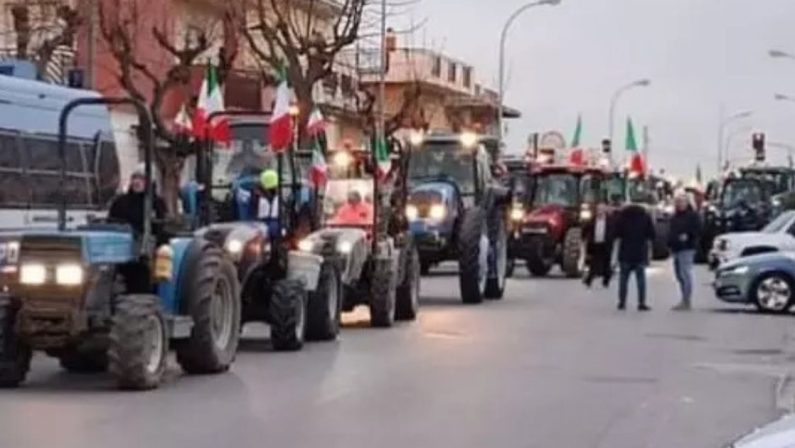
[724, 122]
[782, 97]
[780, 54]
[503, 37]
[615, 98]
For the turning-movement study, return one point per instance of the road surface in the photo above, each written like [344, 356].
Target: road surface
[552, 365]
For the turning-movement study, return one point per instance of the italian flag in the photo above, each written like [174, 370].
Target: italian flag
[383, 162]
[211, 101]
[636, 163]
[182, 122]
[316, 129]
[577, 155]
[281, 126]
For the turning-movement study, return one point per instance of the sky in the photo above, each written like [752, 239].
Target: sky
[569, 59]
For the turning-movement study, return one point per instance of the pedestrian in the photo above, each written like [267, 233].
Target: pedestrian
[599, 247]
[683, 238]
[634, 233]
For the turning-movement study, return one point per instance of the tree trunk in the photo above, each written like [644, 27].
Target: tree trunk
[169, 167]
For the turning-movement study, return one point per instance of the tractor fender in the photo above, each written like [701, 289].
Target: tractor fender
[304, 267]
[246, 243]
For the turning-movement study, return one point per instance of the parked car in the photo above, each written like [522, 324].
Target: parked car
[779, 235]
[766, 280]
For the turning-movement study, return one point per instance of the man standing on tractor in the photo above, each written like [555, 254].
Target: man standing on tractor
[264, 201]
[128, 208]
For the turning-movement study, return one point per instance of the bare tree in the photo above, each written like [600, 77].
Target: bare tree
[122, 26]
[303, 35]
[38, 37]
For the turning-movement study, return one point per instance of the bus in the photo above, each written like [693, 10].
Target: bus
[30, 176]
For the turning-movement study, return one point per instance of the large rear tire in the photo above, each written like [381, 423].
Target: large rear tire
[14, 354]
[382, 294]
[212, 299]
[408, 292]
[498, 258]
[572, 253]
[473, 250]
[138, 343]
[325, 305]
[288, 315]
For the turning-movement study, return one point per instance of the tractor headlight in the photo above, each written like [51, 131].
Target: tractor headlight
[412, 212]
[586, 214]
[469, 139]
[517, 214]
[9, 252]
[69, 274]
[342, 159]
[437, 212]
[345, 247]
[32, 274]
[306, 245]
[234, 247]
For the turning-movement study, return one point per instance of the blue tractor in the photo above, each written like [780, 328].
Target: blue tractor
[457, 211]
[297, 294]
[104, 296]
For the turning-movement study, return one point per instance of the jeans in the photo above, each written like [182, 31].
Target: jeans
[626, 269]
[683, 267]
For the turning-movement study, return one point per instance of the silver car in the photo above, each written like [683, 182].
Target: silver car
[766, 280]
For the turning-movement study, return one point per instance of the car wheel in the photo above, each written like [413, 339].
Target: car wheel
[773, 293]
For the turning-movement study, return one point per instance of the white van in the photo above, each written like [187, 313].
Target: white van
[30, 182]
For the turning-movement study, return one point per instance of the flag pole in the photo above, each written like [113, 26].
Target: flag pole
[381, 128]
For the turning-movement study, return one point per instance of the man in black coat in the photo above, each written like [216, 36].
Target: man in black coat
[634, 233]
[128, 208]
[598, 235]
[684, 236]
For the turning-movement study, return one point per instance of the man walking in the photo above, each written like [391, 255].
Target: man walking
[634, 234]
[682, 239]
[599, 247]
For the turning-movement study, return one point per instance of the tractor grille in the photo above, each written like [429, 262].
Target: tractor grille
[50, 250]
[423, 201]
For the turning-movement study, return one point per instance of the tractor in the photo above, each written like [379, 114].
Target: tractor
[562, 201]
[295, 293]
[103, 296]
[457, 211]
[520, 182]
[364, 228]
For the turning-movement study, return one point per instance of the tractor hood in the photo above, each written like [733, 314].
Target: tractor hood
[545, 213]
[91, 246]
[437, 190]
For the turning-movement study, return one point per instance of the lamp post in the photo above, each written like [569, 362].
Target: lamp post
[782, 97]
[778, 54]
[503, 38]
[724, 122]
[617, 96]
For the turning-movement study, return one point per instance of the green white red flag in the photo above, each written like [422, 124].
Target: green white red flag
[383, 162]
[316, 128]
[281, 126]
[636, 163]
[182, 122]
[317, 123]
[211, 101]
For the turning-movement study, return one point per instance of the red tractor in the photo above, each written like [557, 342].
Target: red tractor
[548, 225]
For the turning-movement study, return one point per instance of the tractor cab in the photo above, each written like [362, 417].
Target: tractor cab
[348, 199]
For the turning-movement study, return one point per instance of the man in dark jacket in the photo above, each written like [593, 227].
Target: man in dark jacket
[634, 234]
[683, 237]
[598, 234]
[128, 208]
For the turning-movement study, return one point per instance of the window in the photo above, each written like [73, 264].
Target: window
[436, 70]
[452, 72]
[467, 77]
[9, 154]
[42, 154]
[107, 174]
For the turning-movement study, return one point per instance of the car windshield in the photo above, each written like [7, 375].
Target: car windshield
[741, 191]
[556, 189]
[778, 224]
[348, 202]
[443, 160]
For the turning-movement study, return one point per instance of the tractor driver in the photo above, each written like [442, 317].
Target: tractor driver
[355, 211]
[264, 202]
[128, 208]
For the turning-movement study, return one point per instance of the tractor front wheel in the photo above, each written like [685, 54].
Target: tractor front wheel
[473, 258]
[288, 315]
[138, 343]
[382, 294]
[14, 354]
[324, 308]
[408, 292]
[573, 253]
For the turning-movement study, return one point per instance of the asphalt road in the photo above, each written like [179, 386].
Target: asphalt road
[552, 365]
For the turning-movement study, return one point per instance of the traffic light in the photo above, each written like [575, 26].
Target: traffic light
[607, 146]
[758, 143]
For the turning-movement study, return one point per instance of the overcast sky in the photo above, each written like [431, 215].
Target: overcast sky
[569, 59]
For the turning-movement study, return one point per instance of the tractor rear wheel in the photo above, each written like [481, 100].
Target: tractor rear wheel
[408, 292]
[14, 355]
[212, 299]
[573, 253]
[138, 342]
[382, 294]
[288, 315]
[325, 305]
[473, 249]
